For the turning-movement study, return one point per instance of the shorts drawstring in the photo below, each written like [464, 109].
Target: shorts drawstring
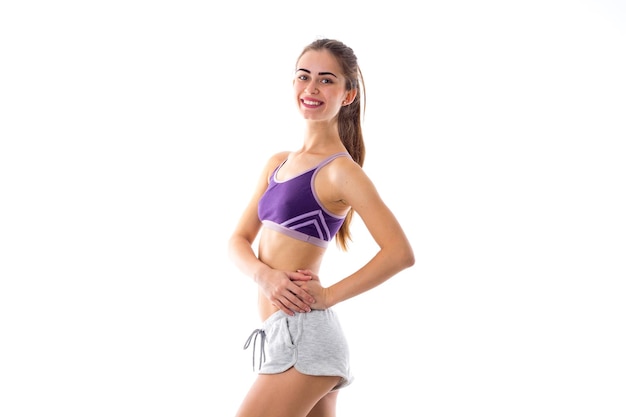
[255, 334]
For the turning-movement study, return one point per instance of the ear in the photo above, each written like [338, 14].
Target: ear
[349, 98]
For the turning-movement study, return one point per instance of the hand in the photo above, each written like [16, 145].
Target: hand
[282, 289]
[313, 286]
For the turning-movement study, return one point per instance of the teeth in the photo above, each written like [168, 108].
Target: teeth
[311, 103]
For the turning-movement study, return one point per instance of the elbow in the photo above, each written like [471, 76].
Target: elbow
[409, 258]
[406, 257]
[237, 245]
[401, 257]
[231, 248]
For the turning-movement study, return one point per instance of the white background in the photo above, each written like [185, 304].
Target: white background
[132, 133]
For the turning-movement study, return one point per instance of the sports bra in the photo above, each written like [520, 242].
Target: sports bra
[292, 207]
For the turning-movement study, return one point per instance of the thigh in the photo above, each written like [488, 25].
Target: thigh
[287, 394]
[326, 407]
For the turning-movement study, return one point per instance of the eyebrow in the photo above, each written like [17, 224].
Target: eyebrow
[319, 73]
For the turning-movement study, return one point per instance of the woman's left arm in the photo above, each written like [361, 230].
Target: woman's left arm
[395, 253]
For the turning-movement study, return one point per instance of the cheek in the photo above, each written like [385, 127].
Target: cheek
[297, 91]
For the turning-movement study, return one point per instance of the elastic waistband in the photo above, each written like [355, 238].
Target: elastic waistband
[279, 315]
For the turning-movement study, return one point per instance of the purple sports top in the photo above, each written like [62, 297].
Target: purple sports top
[292, 207]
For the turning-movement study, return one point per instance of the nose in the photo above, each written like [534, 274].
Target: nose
[311, 88]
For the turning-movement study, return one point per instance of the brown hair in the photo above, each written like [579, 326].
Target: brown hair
[349, 118]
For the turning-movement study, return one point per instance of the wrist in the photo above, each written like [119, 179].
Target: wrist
[329, 297]
[259, 272]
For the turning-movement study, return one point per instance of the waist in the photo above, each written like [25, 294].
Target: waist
[282, 252]
[266, 309]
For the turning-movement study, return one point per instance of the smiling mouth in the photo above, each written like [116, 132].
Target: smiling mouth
[311, 102]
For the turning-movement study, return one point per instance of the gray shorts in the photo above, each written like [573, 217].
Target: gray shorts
[313, 343]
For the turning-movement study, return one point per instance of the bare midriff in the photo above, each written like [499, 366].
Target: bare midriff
[285, 253]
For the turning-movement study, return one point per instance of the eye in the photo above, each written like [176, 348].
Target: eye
[326, 81]
[303, 77]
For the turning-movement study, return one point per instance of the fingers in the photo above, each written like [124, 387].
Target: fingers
[309, 274]
[304, 297]
[299, 275]
[293, 298]
[284, 309]
[293, 302]
[287, 295]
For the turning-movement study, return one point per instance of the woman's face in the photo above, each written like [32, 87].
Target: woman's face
[319, 86]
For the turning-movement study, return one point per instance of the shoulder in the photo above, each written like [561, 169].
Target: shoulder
[343, 168]
[277, 158]
[274, 160]
[347, 179]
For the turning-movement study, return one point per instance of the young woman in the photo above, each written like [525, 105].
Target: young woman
[303, 200]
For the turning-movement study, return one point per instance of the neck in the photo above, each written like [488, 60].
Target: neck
[321, 135]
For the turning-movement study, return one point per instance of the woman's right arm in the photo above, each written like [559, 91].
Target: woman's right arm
[276, 285]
